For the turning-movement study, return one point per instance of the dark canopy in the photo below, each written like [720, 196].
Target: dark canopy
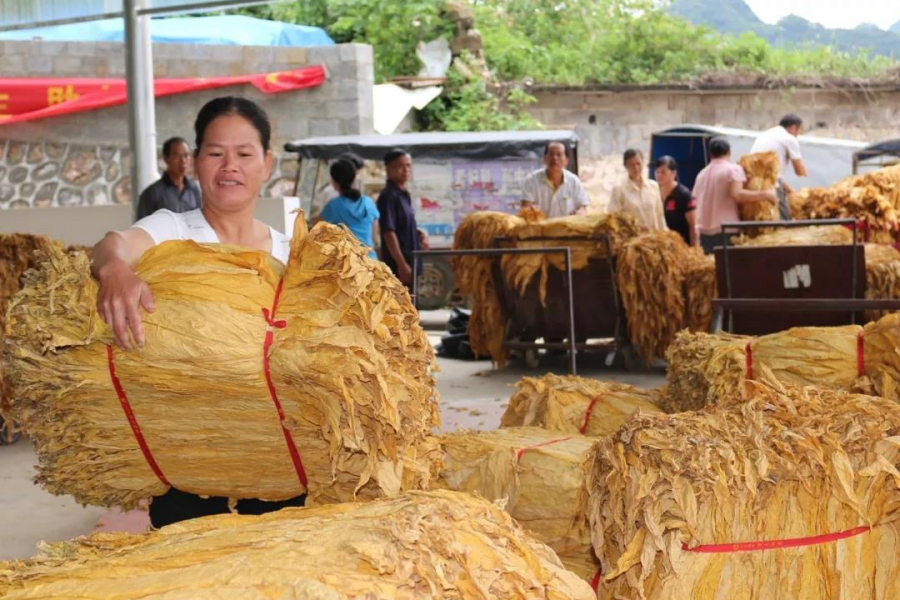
[484, 145]
[887, 147]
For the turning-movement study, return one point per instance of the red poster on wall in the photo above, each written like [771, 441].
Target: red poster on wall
[27, 99]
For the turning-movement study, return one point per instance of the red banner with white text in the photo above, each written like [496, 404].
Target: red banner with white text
[27, 99]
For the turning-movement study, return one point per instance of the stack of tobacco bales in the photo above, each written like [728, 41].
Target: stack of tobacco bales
[873, 198]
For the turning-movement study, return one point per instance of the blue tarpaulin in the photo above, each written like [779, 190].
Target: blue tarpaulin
[233, 30]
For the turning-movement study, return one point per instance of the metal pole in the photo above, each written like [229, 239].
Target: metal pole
[569, 289]
[141, 107]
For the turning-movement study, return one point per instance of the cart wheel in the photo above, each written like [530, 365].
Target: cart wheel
[8, 435]
[532, 359]
[435, 285]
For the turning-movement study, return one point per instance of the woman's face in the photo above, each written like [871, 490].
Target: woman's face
[231, 165]
[635, 166]
[664, 175]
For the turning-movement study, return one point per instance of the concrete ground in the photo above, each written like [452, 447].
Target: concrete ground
[473, 395]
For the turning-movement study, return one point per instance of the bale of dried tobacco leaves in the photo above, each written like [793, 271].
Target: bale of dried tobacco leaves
[544, 477]
[703, 369]
[699, 289]
[570, 404]
[229, 377]
[650, 276]
[420, 545]
[582, 234]
[717, 503]
[474, 278]
[761, 169]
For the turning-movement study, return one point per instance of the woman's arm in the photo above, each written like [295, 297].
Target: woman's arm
[376, 238]
[122, 292]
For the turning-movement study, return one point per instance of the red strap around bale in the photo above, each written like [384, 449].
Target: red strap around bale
[595, 582]
[270, 337]
[132, 420]
[749, 353]
[522, 451]
[587, 414]
[776, 544]
[860, 354]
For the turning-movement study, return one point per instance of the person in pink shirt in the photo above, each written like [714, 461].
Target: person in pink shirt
[719, 190]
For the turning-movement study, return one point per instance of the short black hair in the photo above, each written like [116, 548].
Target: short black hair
[790, 121]
[631, 153]
[233, 105]
[167, 145]
[393, 155]
[718, 147]
[353, 159]
[668, 162]
[551, 143]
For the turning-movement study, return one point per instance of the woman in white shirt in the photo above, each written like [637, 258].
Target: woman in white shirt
[232, 161]
[638, 195]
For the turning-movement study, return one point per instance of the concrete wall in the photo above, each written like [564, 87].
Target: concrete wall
[93, 146]
[610, 122]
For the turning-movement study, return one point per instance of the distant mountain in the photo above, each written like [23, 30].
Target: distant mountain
[736, 17]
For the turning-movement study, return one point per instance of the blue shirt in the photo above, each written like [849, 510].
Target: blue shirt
[357, 215]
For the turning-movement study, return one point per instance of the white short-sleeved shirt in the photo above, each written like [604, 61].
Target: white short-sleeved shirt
[561, 202]
[165, 225]
[782, 143]
[642, 201]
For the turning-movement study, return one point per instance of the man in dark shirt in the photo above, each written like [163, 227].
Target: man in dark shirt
[400, 236]
[174, 190]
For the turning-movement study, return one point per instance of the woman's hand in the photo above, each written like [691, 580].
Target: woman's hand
[121, 291]
[119, 299]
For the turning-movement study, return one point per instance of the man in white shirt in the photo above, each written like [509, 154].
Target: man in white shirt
[782, 140]
[553, 189]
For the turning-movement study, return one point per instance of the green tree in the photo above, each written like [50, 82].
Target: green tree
[393, 29]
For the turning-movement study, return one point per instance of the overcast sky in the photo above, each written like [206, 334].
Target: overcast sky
[845, 14]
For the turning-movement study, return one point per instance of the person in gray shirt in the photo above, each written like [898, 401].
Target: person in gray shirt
[174, 190]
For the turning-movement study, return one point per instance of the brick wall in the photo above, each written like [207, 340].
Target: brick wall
[92, 147]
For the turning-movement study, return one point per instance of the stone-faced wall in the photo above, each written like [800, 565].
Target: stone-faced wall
[40, 174]
[83, 158]
[609, 122]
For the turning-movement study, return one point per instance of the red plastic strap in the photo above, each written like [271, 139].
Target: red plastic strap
[522, 451]
[132, 420]
[860, 355]
[749, 353]
[587, 414]
[595, 582]
[270, 337]
[775, 544]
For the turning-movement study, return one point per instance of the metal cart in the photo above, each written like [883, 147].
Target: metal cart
[596, 323]
[582, 312]
[768, 289]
